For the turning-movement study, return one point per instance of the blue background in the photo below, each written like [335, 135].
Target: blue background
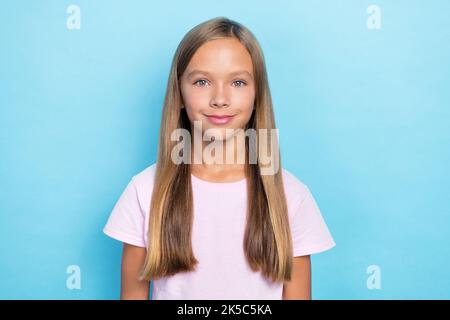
[363, 118]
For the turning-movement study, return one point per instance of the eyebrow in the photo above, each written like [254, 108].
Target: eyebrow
[193, 72]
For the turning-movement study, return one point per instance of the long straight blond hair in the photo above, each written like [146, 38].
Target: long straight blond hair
[267, 240]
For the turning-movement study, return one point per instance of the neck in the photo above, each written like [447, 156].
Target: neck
[218, 160]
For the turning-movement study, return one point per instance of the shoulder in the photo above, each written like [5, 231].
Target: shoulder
[143, 184]
[145, 176]
[295, 189]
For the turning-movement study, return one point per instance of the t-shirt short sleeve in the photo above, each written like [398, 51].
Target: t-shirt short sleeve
[126, 221]
[310, 233]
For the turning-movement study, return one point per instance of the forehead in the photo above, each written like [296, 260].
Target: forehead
[225, 56]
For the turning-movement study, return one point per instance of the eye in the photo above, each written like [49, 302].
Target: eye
[239, 83]
[201, 82]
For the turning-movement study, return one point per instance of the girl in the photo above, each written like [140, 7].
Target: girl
[201, 230]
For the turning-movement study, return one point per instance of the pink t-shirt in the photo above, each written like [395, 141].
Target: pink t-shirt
[217, 236]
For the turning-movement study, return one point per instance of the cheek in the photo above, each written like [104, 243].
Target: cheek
[191, 102]
[245, 100]
[195, 98]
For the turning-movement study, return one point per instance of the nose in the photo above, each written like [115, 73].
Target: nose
[220, 97]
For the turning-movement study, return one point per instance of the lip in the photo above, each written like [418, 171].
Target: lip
[220, 119]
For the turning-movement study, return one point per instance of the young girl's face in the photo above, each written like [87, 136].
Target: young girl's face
[218, 81]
